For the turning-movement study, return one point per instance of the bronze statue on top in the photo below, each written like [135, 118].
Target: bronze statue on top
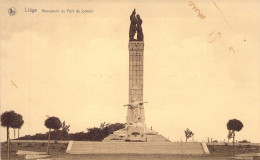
[136, 25]
[140, 36]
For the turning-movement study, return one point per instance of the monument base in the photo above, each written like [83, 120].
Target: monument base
[178, 148]
[135, 133]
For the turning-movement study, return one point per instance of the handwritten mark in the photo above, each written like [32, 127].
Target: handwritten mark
[12, 83]
[201, 15]
[221, 13]
[232, 49]
[218, 35]
[213, 36]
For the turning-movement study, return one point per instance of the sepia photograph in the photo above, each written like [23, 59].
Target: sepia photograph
[130, 80]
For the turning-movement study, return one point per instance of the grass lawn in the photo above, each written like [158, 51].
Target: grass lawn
[58, 152]
[55, 149]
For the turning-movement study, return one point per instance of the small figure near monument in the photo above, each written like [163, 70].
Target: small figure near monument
[135, 25]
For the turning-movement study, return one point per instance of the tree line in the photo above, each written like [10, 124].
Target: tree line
[60, 131]
[92, 134]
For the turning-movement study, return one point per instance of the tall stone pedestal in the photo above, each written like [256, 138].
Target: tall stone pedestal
[135, 111]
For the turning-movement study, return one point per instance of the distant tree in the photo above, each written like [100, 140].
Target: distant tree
[61, 134]
[230, 135]
[65, 129]
[115, 127]
[37, 136]
[98, 134]
[15, 123]
[188, 134]
[18, 123]
[93, 134]
[103, 125]
[234, 125]
[244, 141]
[8, 120]
[57, 135]
[79, 136]
[52, 123]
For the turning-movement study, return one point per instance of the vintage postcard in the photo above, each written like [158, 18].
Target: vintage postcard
[87, 79]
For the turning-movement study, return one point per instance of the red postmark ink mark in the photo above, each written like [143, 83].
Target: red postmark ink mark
[201, 15]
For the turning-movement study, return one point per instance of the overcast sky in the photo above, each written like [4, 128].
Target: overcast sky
[198, 73]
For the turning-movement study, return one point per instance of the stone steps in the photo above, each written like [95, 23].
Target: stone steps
[155, 138]
[111, 137]
[129, 144]
[84, 147]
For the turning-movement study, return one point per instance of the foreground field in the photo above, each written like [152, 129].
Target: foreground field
[55, 149]
[58, 152]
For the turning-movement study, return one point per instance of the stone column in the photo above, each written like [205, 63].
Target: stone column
[136, 58]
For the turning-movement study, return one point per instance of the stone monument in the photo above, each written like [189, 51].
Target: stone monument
[135, 128]
[135, 138]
